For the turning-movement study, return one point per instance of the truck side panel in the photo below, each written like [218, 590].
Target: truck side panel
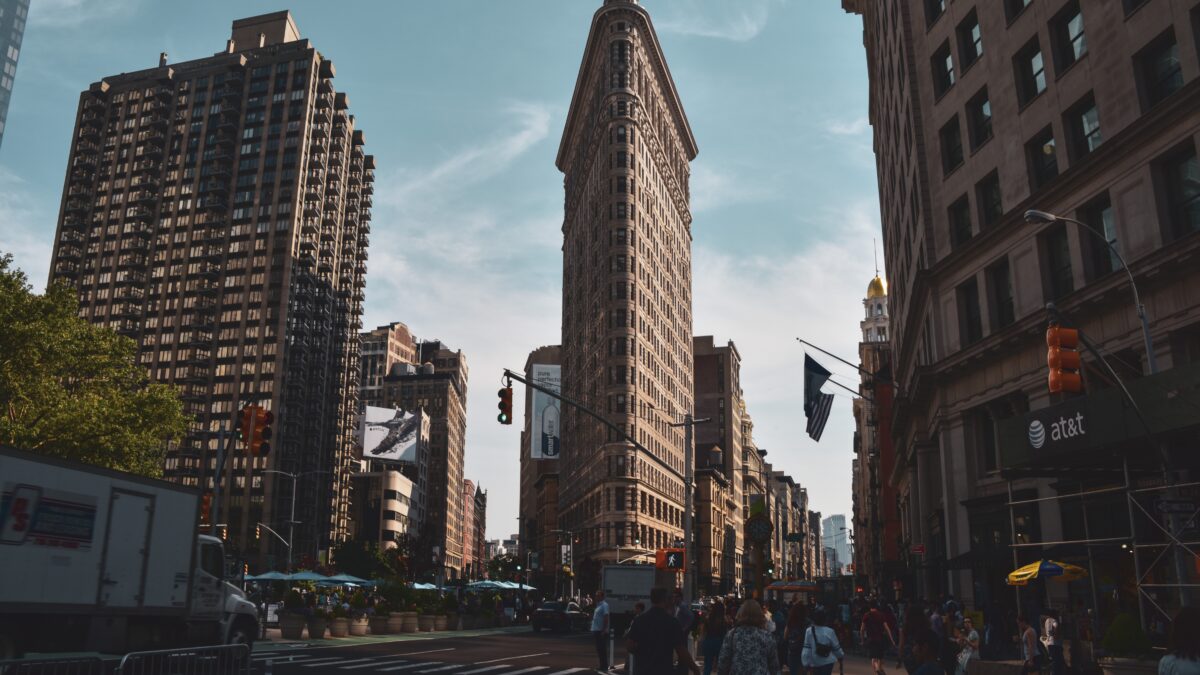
[54, 527]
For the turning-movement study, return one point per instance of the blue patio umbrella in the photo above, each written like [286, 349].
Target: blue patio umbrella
[346, 579]
[486, 585]
[307, 576]
[268, 576]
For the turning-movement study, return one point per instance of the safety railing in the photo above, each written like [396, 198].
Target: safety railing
[90, 665]
[223, 660]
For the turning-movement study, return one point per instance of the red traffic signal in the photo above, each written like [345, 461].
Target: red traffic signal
[1062, 357]
[260, 443]
[505, 416]
[205, 508]
[245, 425]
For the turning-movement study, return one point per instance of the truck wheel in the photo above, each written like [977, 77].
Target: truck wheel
[242, 633]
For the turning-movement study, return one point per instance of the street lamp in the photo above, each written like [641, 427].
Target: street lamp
[1035, 217]
[292, 519]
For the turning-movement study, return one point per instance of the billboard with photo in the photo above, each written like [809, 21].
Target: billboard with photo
[545, 429]
[393, 435]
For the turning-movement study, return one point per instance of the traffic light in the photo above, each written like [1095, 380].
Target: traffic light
[1062, 356]
[260, 442]
[505, 416]
[258, 531]
[245, 425]
[205, 508]
[224, 532]
[669, 559]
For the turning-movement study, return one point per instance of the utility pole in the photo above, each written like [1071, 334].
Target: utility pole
[689, 474]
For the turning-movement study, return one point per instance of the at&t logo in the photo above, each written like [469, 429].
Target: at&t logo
[1037, 434]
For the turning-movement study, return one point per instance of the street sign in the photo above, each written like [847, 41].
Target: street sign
[918, 549]
[1175, 506]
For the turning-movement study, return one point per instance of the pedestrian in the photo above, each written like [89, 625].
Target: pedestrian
[779, 618]
[683, 613]
[714, 630]
[1029, 651]
[600, 618]
[793, 635]
[1050, 638]
[656, 638]
[915, 622]
[876, 635]
[968, 642]
[926, 646]
[1183, 649]
[821, 647]
[749, 649]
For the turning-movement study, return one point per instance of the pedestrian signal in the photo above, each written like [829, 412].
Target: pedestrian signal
[669, 559]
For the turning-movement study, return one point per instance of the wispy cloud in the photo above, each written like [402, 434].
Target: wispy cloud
[77, 13]
[853, 127]
[739, 22]
[714, 188]
[763, 303]
[25, 231]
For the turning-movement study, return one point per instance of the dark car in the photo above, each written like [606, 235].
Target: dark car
[560, 616]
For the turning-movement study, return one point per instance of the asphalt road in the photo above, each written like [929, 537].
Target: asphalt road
[527, 653]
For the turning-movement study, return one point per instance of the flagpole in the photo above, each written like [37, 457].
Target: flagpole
[858, 368]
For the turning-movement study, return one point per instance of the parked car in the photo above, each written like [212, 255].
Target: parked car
[560, 616]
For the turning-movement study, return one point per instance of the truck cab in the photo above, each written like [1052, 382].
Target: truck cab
[217, 595]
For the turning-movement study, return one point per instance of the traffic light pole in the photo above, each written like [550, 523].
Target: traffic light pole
[689, 472]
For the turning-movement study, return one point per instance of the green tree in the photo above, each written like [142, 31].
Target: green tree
[73, 390]
[502, 567]
[359, 558]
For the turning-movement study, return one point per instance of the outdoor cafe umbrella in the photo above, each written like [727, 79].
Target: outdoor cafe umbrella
[346, 579]
[268, 576]
[1046, 568]
[486, 585]
[307, 576]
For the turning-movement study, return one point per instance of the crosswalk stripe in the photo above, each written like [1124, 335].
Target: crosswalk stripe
[484, 670]
[389, 662]
[435, 670]
[427, 651]
[406, 667]
[314, 665]
[535, 669]
[569, 670]
[513, 658]
[308, 662]
[277, 656]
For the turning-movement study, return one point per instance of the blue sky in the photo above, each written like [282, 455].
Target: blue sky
[463, 103]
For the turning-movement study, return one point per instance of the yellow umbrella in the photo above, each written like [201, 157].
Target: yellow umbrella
[1046, 568]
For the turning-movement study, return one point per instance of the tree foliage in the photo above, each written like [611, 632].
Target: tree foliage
[502, 567]
[74, 390]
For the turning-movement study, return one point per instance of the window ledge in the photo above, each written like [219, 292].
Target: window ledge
[966, 67]
[985, 141]
[1022, 107]
[1061, 73]
[937, 98]
[946, 173]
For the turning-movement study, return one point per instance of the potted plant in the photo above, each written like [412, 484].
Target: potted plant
[358, 614]
[318, 621]
[1127, 649]
[291, 619]
[447, 615]
[379, 620]
[428, 608]
[339, 622]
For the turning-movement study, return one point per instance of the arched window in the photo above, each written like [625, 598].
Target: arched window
[621, 134]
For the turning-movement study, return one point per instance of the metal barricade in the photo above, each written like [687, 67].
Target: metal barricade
[82, 665]
[222, 660]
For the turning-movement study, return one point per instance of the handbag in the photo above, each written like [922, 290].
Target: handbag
[823, 649]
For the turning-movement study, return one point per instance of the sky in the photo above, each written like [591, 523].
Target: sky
[463, 104]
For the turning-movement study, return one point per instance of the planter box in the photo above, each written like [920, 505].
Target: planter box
[359, 626]
[409, 624]
[316, 628]
[339, 627]
[440, 621]
[1116, 666]
[379, 625]
[395, 622]
[425, 622]
[291, 626]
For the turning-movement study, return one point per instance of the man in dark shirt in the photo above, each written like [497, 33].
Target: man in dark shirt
[656, 637]
[926, 645]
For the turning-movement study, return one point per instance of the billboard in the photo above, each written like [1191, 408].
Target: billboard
[393, 435]
[546, 432]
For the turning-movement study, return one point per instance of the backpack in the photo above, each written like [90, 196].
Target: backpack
[823, 649]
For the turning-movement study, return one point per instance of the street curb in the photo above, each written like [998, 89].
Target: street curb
[285, 646]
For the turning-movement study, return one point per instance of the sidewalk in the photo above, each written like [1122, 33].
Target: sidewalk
[274, 642]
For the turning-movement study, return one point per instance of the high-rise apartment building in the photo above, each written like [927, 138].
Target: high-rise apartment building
[837, 535]
[980, 112]
[438, 388]
[216, 211]
[382, 349]
[13, 15]
[627, 289]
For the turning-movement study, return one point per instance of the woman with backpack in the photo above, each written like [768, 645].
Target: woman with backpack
[821, 647]
[793, 636]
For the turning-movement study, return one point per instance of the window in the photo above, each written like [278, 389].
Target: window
[979, 118]
[960, 222]
[1098, 215]
[1131, 5]
[1070, 44]
[1043, 159]
[943, 69]
[1159, 68]
[987, 197]
[1013, 8]
[983, 435]
[1031, 72]
[1182, 174]
[1057, 262]
[952, 149]
[934, 10]
[1083, 128]
[1000, 294]
[970, 324]
[970, 40]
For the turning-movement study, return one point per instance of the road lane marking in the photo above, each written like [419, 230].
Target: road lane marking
[452, 665]
[534, 669]
[570, 670]
[314, 665]
[484, 670]
[512, 658]
[406, 667]
[285, 658]
[387, 662]
[324, 659]
[428, 651]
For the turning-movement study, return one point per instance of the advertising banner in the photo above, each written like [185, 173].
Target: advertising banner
[393, 435]
[545, 430]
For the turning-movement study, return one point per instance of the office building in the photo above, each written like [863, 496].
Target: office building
[13, 15]
[216, 211]
[382, 349]
[538, 508]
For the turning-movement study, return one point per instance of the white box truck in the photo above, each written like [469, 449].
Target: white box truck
[626, 585]
[98, 560]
